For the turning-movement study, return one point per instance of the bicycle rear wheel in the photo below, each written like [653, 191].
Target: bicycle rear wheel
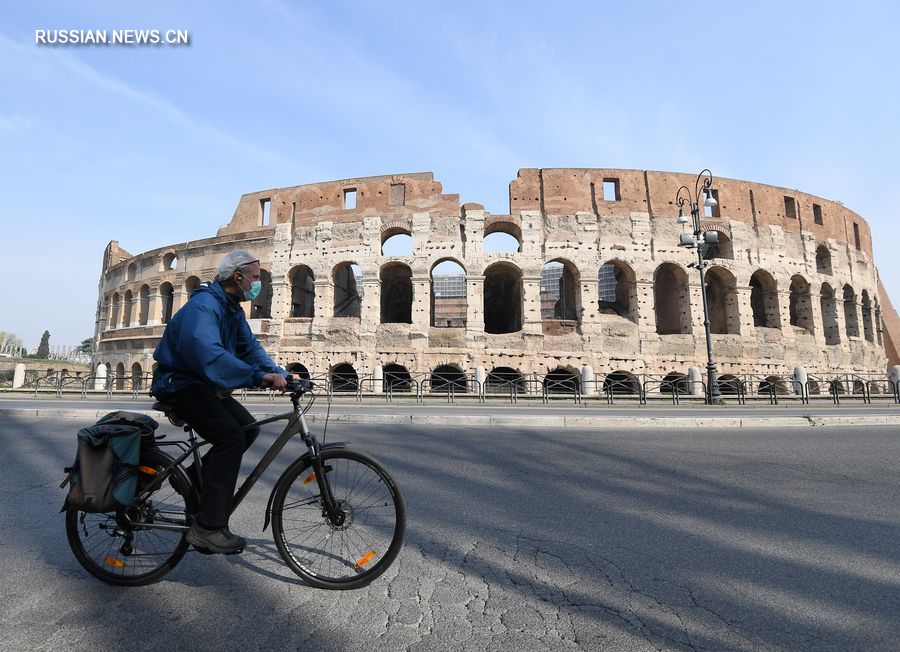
[117, 552]
[366, 539]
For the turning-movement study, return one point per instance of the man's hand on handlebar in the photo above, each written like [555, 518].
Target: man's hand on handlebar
[276, 381]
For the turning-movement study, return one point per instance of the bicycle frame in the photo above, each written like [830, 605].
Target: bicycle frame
[296, 426]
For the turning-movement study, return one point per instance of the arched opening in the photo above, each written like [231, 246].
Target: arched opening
[396, 294]
[801, 313]
[449, 304]
[137, 377]
[131, 272]
[169, 262]
[447, 377]
[721, 298]
[396, 242]
[298, 370]
[559, 291]
[344, 378]
[502, 237]
[114, 311]
[129, 302]
[764, 300]
[347, 278]
[730, 385]
[303, 292]
[261, 306]
[812, 387]
[828, 306]
[562, 381]
[617, 290]
[671, 300]
[502, 298]
[397, 378]
[120, 376]
[144, 305]
[866, 304]
[621, 382]
[191, 283]
[674, 382]
[166, 300]
[774, 384]
[850, 319]
[879, 326]
[503, 380]
[823, 260]
[722, 249]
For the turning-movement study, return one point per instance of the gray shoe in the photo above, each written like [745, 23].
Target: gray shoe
[220, 540]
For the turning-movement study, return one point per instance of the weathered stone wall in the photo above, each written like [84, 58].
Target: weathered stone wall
[557, 215]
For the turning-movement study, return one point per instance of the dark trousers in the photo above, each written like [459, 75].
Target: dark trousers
[219, 421]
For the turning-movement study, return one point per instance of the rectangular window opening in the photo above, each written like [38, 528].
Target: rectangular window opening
[350, 198]
[817, 214]
[856, 235]
[611, 190]
[790, 207]
[264, 208]
[398, 194]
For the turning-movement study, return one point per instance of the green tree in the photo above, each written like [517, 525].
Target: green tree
[43, 350]
[86, 346]
[9, 341]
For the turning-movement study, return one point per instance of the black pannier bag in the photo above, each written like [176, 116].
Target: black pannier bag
[104, 475]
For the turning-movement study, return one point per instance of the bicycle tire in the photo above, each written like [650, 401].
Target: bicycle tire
[339, 557]
[125, 556]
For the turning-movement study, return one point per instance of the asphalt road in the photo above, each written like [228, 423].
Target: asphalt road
[518, 539]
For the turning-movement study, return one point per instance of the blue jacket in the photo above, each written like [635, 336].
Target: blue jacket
[209, 341]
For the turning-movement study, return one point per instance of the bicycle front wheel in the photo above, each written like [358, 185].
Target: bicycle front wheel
[352, 550]
[123, 547]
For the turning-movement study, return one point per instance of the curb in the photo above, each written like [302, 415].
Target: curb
[537, 421]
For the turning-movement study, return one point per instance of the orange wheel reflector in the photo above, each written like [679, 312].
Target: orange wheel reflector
[149, 470]
[112, 561]
[365, 560]
[310, 478]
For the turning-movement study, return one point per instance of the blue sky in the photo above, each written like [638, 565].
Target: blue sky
[154, 145]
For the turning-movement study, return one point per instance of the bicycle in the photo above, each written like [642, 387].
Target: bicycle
[338, 518]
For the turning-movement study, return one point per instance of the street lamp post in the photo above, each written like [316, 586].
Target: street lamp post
[701, 242]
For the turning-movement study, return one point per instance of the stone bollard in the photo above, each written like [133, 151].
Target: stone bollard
[100, 378]
[588, 385]
[695, 382]
[19, 376]
[480, 378]
[378, 386]
[800, 378]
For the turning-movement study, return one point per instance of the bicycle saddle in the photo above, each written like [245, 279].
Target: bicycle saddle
[169, 410]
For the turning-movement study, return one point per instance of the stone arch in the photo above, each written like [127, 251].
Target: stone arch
[115, 309]
[828, 306]
[144, 305]
[800, 308]
[396, 241]
[447, 376]
[191, 283]
[344, 378]
[303, 291]
[497, 234]
[879, 327]
[562, 381]
[502, 298]
[397, 378]
[166, 299]
[617, 290]
[823, 260]
[449, 303]
[120, 375]
[722, 305]
[347, 279]
[621, 382]
[776, 384]
[851, 323]
[396, 294]
[128, 306]
[866, 307]
[131, 272]
[724, 248]
[261, 306]
[503, 380]
[137, 377]
[730, 385]
[560, 290]
[169, 262]
[671, 300]
[299, 369]
[764, 300]
[675, 381]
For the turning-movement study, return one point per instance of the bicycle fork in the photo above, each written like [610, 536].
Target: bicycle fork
[330, 507]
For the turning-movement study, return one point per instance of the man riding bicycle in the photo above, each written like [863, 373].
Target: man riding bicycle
[206, 351]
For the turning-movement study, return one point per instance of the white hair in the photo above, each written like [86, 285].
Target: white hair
[232, 262]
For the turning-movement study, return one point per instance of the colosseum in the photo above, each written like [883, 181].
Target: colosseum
[387, 283]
